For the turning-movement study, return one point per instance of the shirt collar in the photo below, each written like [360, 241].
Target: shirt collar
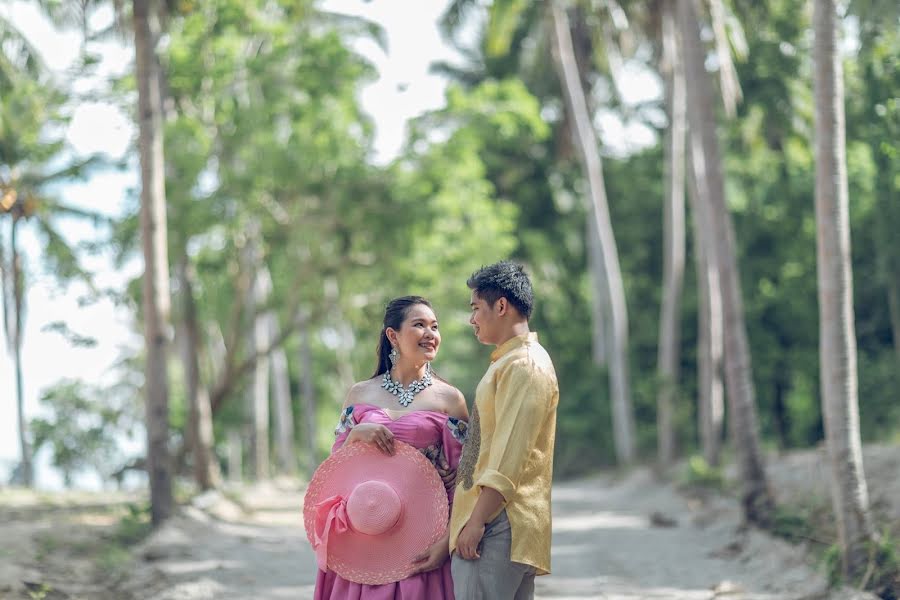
[513, 343]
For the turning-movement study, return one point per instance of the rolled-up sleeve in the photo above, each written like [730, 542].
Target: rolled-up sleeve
[520, 402]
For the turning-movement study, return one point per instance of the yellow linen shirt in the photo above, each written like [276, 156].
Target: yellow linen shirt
[510, 447]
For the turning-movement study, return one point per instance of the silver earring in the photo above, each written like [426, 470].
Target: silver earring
[393, 356]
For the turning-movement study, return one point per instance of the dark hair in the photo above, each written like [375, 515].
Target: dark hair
[504, 279]
[394, 315]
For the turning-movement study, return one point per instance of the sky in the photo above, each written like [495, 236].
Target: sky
[404, 89]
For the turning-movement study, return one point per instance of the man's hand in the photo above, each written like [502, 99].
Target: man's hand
[434, 557]
[447, 474]
[468, 540]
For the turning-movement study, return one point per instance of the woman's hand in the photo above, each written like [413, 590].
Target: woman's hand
[434, 557]
[372, 433]
[448, 475]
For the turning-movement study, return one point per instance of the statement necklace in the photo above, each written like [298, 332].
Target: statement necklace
[405, 395]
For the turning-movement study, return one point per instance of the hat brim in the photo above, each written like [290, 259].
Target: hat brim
[387, 557]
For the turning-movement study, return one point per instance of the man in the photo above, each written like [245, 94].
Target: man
[500, 525]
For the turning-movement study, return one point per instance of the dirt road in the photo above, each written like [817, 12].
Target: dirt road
[613, 539]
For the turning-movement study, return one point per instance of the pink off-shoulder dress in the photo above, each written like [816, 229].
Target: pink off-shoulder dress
[434, 434]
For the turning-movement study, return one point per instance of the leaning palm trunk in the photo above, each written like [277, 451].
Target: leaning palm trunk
[756, 496]
[711, 400]
[669, 355]
[156, 265]
[599, 299]
[592, 168]
[837, 337]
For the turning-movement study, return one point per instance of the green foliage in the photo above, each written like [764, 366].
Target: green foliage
[269, 163]
[84, 427]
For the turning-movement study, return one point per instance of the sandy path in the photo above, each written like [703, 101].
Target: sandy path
[605, 546]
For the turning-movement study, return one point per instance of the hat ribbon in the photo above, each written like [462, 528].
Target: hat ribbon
[331, 515]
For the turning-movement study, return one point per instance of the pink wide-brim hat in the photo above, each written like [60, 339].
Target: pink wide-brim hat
[367, 514]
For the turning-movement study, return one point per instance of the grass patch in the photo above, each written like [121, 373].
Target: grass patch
[882, 574]
[700, 475]
[804, 523]
[134, 526]
[38, 591]
[47, 544]
[112, 557]
[113, 561]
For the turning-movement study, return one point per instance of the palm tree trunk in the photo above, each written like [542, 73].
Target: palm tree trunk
[599, 304]
[260, 392]
[669, 353]
[26, 472]
[592, 168]
[200, 425]
[756, 496]
[837, 335]
[893, 291]
[710, 346]
[156, 265]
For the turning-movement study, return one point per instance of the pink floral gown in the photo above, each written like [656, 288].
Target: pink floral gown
[434, 434]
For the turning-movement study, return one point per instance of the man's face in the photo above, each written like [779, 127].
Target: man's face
[484, 319]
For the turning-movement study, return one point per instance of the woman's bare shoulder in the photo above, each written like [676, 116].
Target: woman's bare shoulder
[452, 400]
[360, 390]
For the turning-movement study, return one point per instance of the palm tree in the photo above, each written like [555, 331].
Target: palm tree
[837, 335]
[592, 168]
[669, 355]
[756, 496]
[509, 24]
[29, 105]
[156, 301]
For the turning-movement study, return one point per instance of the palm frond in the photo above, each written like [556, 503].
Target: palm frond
[76, 170]
[351, 25]
[467, 75]
[504, 18]
[19, 56]
[454, 18]
[60, 256]
[57, 209]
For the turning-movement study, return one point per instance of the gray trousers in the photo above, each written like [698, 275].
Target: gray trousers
[493, 576]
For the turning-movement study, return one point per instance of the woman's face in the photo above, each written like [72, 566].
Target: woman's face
[418, 338]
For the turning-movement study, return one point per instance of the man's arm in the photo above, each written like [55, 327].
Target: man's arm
[488, 503]
[520, 404]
